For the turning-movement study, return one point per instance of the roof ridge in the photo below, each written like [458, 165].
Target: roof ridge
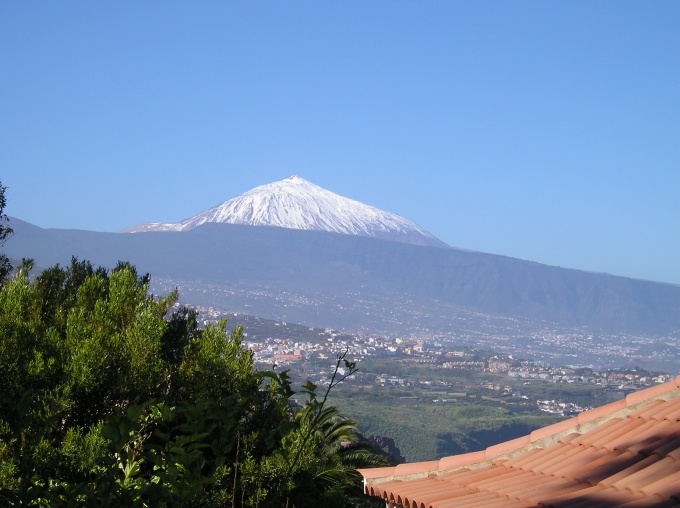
[627, 451]
[539, 438]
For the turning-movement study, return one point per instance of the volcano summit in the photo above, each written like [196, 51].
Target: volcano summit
[295, 203]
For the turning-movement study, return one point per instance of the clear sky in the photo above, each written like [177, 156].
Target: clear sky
[546, 131]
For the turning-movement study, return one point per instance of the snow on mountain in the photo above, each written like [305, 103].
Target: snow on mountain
[295, 203]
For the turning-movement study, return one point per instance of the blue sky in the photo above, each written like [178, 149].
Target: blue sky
[547, 131]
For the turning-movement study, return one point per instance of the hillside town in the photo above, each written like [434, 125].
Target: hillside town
[495, 374]
[454, 328]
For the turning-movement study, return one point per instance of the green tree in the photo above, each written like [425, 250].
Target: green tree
[5, 231]
[111, 399]
[335, 451]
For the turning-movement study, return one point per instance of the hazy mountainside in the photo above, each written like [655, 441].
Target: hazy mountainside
[295, 203]
[354, 282]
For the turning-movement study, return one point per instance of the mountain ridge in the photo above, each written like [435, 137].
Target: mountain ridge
[354, 282]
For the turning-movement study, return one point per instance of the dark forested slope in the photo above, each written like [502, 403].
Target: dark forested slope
[312, 263]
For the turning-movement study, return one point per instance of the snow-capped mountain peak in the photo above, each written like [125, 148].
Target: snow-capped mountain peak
[295, 203]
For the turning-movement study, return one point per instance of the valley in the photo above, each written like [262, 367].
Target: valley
[434, 326]
[421, 398]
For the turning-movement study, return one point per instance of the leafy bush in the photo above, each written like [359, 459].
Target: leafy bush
[107, 401]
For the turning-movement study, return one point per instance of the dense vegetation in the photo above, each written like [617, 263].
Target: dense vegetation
[108, 401]
[424, 430]
[454, 413]
[5, 231]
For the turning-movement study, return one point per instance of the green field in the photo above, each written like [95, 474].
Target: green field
[428, 422]
[427, 430]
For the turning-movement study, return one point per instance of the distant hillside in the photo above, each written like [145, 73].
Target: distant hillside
[355, 282]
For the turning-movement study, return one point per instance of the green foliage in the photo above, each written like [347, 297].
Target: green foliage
[424, 430]
[5, 231]
[108, 401]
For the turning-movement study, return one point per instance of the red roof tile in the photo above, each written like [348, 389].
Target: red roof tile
[461, 460]
[623, 454]
[507, 447]
[416, 468]
[598, 412]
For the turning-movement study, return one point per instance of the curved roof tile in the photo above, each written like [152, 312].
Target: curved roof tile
[626, 453]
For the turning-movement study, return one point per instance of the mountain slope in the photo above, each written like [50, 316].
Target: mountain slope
[295, 203]
[354, 282]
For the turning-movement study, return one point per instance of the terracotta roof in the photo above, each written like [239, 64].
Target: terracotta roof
[626, 453]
